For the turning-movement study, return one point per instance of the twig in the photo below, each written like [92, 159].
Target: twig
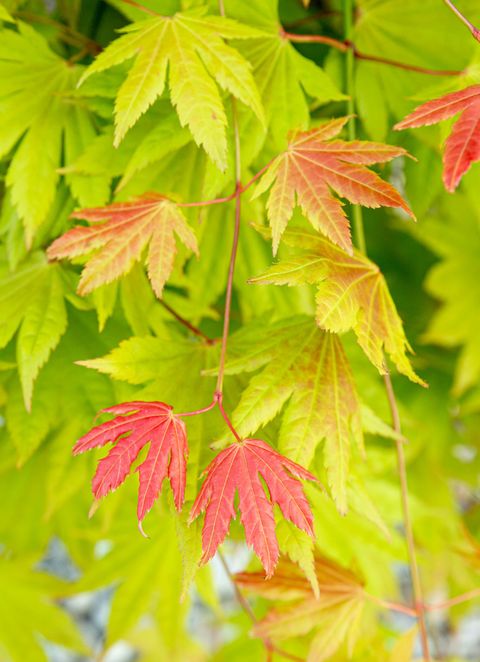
[407, 521]
[68, 34]
[349, 65]
[464, 597]
[392, 606]
[195, 330]
[346, 46]
[137, 5]
[475, 32]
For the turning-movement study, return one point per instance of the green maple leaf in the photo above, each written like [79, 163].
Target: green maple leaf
[285, 78]
[27, 609]
[40, 114]
[351, 294]
[454, 281]
[308, 368]
[192, 47]
[32, 300]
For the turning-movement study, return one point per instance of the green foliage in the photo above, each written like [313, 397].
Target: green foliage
[157, 129]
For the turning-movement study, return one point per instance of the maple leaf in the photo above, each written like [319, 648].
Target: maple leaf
[462, 147]
[193, 49]
[351, 294]
[137, 424]
[41, 118]
[32, 300]
[333, 616]
[310, 167]
[286, 79]
[308, 369]
[126, 229]
[239, 467]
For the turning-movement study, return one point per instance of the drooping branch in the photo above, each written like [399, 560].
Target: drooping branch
[419, 609]
[347, 46]
[188, 325]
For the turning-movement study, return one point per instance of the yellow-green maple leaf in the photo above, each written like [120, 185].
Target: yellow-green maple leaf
[192, 47]
[351, 294]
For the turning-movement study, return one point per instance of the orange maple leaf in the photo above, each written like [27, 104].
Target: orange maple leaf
[310, 167]
[118, 236]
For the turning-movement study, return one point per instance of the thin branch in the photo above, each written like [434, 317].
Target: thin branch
[195, 330]
[392, 606]
[350, 84]
[464, 597]
[233, 255]
[407, 521]
[232, 196]
[346, 46]
[137, 5]
[67, 34]
[475, 32]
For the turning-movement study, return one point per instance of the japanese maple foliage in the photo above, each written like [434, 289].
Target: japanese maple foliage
[238, 468]
[311, 166]
[462, 147]
[118, 236]
[136, 425]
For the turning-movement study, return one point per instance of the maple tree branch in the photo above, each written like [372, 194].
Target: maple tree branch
[349, 66]
[419, 609]
[407, 521]
[392, 606]
[475, 32]
[195, 330]
[233, 255]
[232, 196]
[137, 5]
[464, 597]
[347, 46]
[67, 34]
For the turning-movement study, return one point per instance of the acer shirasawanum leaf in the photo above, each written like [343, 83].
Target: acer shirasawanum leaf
[192, 47]
[32, 300]
[311, 166]
[286, 79]
[351, 294]
[462, 147]
[136, 425]
[306, 368]
[238, 468]
[333, 616]
[118, 236]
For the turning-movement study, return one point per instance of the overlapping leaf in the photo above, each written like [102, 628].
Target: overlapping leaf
[285, 78]
[32, 300]
[136, 425]
[193, 49]
[311, 166]
[351, 294]
[119, 234]
[333, 616]
[39, 113]
[308, 368]
[238, 468]
[462, 147]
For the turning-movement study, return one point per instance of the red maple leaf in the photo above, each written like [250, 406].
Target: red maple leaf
[239, 467]
[462, 147]
[137, 424]
[118, 236]
[313, 166]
